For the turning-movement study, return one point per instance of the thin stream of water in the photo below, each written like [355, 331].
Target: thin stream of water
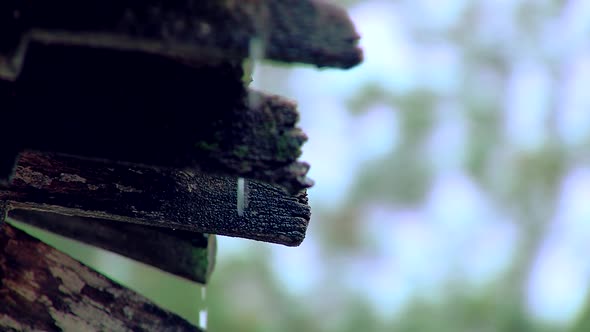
[203, 311]
[256, 54]
[241, 196]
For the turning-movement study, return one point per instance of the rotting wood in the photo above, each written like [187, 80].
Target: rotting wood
[42, 289]
[167, 198]
[108, 105]
[186, 254]
[307, 31]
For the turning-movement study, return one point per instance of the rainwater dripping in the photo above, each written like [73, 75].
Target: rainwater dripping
[203, 311]
[241, 196]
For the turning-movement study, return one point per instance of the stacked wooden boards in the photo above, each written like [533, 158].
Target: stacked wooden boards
[131, 123]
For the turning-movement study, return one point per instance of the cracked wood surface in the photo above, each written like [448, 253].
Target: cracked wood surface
[174, 199]
[306, 31]
[43, 289]
[137, 108]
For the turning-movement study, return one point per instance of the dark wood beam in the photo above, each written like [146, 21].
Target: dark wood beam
[186, 254]
[307, 31]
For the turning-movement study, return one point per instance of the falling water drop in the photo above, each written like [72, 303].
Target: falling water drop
[203, 311]
[241, 196]
[256, 54]
[256, 50]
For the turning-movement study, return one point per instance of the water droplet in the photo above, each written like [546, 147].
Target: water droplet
[241, 196]
[203, 311]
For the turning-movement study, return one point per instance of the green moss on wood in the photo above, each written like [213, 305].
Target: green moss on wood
[207, 146]
[288, 147]
[241, 151]
[200, 261]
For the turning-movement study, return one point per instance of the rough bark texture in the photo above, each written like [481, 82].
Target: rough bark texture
[305, 31]
[42, 289]
[186, 254]
[167, 198]
[138, 108]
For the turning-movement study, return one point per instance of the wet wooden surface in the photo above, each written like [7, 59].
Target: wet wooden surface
[172, 199]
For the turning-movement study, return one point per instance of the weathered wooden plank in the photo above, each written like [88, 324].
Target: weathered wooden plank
[175, 199]
[307, 31]
[138, 108]
[42, 289]
[311, 31]
[186, 254]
